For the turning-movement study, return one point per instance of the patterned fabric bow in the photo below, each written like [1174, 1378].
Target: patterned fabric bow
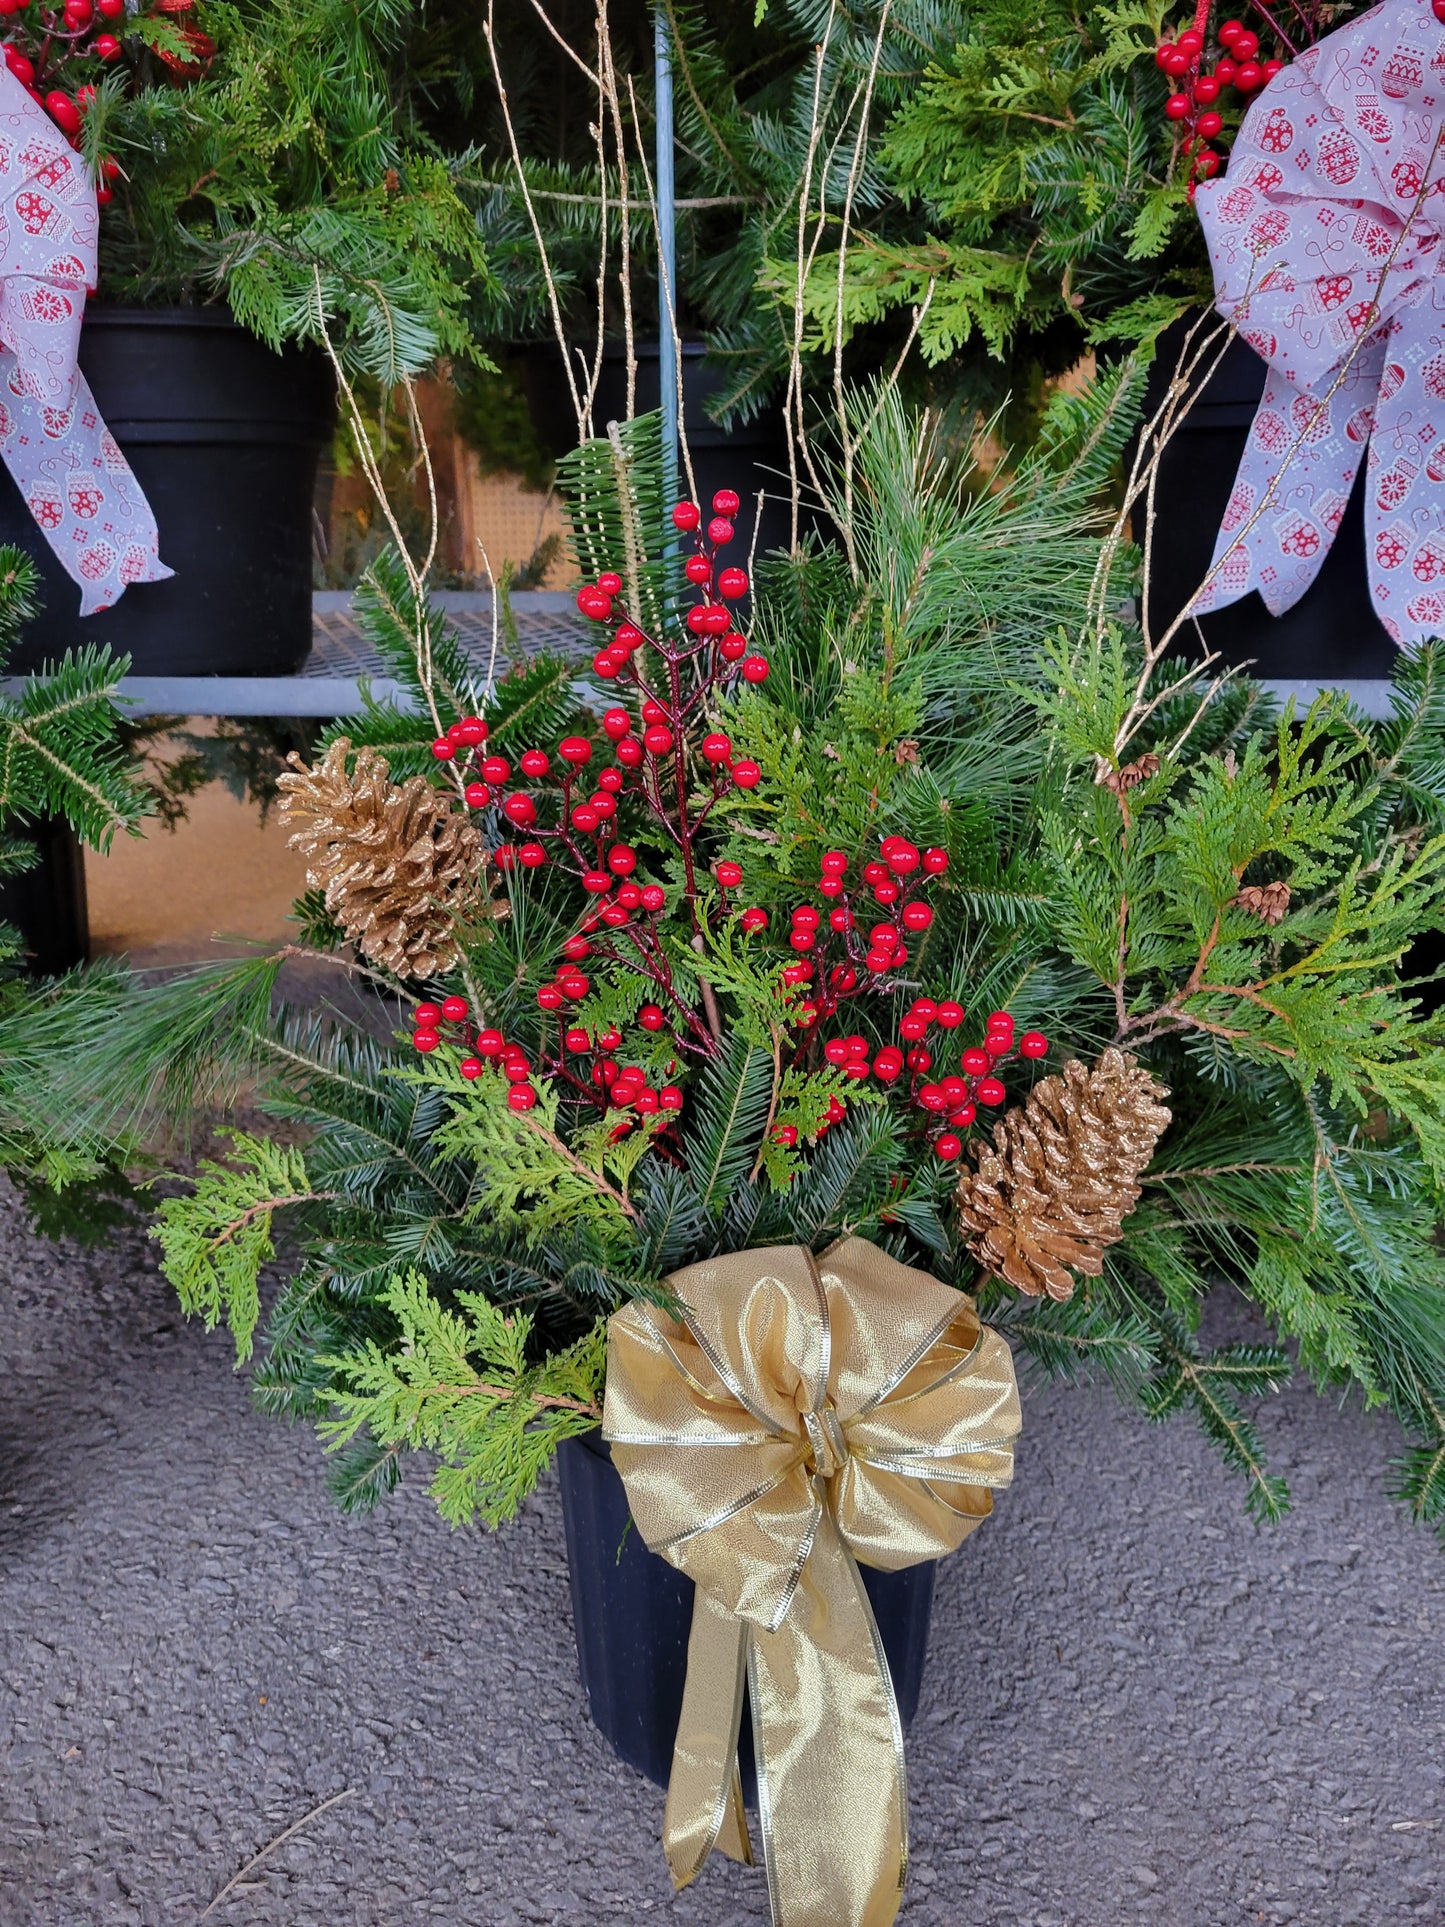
[802, 1414]
[75, 481]
[1326, 244]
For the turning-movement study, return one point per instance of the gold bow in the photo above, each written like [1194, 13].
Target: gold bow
[800, 1415]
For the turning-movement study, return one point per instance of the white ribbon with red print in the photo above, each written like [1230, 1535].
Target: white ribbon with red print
[75, 480]
[1326, 244]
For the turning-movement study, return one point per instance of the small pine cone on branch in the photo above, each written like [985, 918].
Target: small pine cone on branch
[1062, 1174]
[398, 863]
[1267, 901]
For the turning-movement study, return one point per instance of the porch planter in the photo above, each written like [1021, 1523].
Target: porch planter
[631, 1612]
[1331, 633]
[224, 437]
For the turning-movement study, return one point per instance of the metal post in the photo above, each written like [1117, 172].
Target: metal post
[667, 252]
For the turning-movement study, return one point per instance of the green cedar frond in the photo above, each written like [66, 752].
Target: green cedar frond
[216, 1240]
[460, 1385]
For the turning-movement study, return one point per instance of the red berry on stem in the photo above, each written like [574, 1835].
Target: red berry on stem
[1177, 107]
[654, 898]
[496, 769]
[754, 919]
[887, 892]
[1190, 42]
[1176, 64]
[1208, 125]
[806, 917]
[888, 1064]
[733, 648]
[726, 502]
[532, 762]
[931, 1098]
[491, 1043]
[549, 997]
[1225, 72]
[478, 796]
[919, 1059]
[686, 516]
[443, 750]
[616, 724]
[901, 858]
[1206, 90]
[454, 1009]
[669, 1098]
[732, 583]
[610, 584]
[1249, 78]
[716, 747]
[626, 636]
[574, 749]
[1162, 52]
[950, 1015]
[1273, 67]
[1245, 46]
[697, 569]
[520, 809]
[965, 1114]
[786, 1135]
[647, 1101]
[755, 669]
[596, 882]
[425, 1041]
[426, 1016]
[106, 46]
[622, 859]
[747, 774]
[628, 752]
[657, 739]
[576, 948]
[653, 712]
[729, 875]
[988, 1090]
[1033, 1043]
[916, 916]
[531, 856]
[470, 1067]
[521, 1097]
[1230, 32]
[977, 1062]
[577, 1041]
[947, 1146]
[719, 530]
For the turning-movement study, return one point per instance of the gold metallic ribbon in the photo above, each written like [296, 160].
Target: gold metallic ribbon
[802, 1414]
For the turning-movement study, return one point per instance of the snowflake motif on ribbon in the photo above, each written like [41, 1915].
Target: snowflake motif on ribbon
[51, 432]
[1337, 278]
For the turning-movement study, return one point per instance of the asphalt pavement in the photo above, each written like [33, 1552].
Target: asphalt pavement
[1139, 1706]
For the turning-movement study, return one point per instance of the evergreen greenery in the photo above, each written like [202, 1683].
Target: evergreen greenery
[943, 671]
[60, 755]
[294, 177]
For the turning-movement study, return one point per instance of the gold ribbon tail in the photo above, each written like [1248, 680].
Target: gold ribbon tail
[704, 1794]
[832, 1793]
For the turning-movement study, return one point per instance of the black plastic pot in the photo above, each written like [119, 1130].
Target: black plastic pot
[1332, 631]
[750, 457]
[224, 437]
[631, 1612]
[47, 904]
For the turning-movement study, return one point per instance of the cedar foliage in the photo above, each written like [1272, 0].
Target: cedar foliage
[954, 686]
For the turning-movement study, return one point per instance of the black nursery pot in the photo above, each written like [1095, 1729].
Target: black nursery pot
[224, 437]
[1332, 632]
[632, 1613]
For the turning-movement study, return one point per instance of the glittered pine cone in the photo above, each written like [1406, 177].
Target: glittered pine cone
[398, 863]
[1053, 1191]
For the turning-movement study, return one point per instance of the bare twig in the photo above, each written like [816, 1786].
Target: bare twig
[270, 1847]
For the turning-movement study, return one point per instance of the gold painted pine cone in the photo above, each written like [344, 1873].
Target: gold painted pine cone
[399, 864]
[1053, 1191]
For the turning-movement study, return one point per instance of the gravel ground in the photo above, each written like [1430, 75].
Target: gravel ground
[1138, 1706]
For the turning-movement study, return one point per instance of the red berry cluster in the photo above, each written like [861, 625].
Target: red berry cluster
[51, 38]
[492, 1048]
[1193, 108]
[709, 621]
[889, 882]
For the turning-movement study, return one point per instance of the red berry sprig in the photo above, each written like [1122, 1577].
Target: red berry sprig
[1193, 108]
[49, 40]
